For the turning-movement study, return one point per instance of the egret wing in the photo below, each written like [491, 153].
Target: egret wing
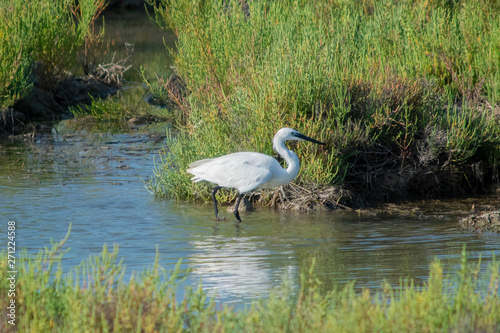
[244, 171]
[198, 163]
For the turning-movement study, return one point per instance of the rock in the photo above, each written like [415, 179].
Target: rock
[137, 121]
[176, 87]
[40, 104]
[151, 99]
[245, 206]
[80, 90]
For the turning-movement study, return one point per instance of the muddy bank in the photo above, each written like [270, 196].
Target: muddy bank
[483, 212]
[486, 218]
[51, 104]
[480, 222]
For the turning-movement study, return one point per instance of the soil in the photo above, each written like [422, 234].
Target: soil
[51, 104]
[298, 198]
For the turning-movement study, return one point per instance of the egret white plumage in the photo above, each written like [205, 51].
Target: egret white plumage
[247, 171]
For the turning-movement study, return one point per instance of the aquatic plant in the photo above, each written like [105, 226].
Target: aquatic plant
[405, 93]
[95, 297]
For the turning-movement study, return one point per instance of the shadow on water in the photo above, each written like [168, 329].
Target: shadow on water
[95, 181]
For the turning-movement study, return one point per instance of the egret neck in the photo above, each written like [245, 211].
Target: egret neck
[292, 161]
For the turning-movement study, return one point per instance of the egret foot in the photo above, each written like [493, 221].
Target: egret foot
[236, 213]
[214, 192]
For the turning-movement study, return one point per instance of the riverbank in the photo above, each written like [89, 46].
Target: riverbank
[404, 114]
[80, 170]
[40, 105]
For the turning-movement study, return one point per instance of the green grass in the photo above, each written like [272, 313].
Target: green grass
[114, 113]
[41, 38]
[407, 88]
[93, 297]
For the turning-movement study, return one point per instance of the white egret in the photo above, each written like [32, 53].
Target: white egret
[247, 171]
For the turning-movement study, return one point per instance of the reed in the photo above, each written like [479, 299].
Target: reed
[412, 84]
[95, 297]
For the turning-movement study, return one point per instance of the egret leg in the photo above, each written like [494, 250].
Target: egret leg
[214, 192]
[236, 213]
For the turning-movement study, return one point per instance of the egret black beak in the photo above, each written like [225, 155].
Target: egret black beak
[306, 138]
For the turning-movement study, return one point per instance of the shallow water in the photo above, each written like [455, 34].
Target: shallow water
[95, 182]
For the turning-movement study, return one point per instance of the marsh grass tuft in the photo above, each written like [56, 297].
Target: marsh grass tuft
[103, 111]
[118, 114]
[95, 297]
[406, 94]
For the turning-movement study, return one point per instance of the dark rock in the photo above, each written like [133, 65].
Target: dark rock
[151, 99]
[137, 121]
[245, 206]
[176, 88]
[80, 90]
[40, 104]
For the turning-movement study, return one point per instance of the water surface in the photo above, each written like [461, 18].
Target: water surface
[95, 182]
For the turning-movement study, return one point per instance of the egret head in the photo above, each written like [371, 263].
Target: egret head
[286, 133]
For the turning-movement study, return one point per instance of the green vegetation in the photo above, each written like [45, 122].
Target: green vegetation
[94, 297]
[118, 114]
[102, 111]
[108, 115]
[41, 38]
[406, 93]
